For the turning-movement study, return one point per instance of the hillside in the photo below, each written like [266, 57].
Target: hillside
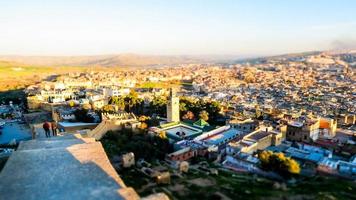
[122, 60]
[14, 75]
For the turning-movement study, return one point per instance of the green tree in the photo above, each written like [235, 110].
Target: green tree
[158, 105]
[279, 163]
[133, 103]
[129, 103]
[142, 145]
[162, 135]
[292, 166]
[182, 107]
[108, 108]
[118, 101]
[131, 100]
[204, 115]
[143, 118]
[71, 103]
[213, 108]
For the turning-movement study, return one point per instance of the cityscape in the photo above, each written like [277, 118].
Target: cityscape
[172, 123]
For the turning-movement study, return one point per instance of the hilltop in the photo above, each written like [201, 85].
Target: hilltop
[122, 60]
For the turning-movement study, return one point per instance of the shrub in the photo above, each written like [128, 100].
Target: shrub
[279, 163]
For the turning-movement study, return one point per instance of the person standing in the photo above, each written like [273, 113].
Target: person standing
[54, 128]
[46, 127]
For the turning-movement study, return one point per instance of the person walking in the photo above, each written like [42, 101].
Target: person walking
[46, 127]
[54, 128]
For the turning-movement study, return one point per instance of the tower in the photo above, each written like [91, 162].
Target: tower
[173, 107]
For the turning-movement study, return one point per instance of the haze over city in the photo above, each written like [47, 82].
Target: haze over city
[177, 99]
[159, 27]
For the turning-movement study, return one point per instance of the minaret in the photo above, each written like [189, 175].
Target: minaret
[173, 107]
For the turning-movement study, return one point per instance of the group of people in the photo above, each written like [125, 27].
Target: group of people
[47, 126]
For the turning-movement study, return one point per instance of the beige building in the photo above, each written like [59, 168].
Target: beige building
[173, 107]
[347, 119]
[256, 140]
[328, 127]
[303, 131]
[245, 125]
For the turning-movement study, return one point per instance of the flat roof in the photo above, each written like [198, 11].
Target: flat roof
[259, 135]
[295, 123]
[188, 131]
[305, 155]
[247, 142]
[187, 149]
[222, 136]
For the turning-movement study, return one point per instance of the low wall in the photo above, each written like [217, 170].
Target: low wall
[73, 129]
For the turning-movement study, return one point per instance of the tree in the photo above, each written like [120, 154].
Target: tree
[143, 118]
[142, 145]
[264, 158]
[213, 108]
[133, 102]
[189, 115]
[204, 115]
[153, 122]
[86, 106]
[162, 135]
[278, 162]
[186, 103]
[293, 166]
[118, 101]
[158, 105]
[129, 103]
[71, 103]
[182, 107]
[143, 126]
[82, 116]
[197, 106]
[108, 108]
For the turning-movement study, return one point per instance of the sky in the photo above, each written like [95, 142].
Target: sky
[175, 27]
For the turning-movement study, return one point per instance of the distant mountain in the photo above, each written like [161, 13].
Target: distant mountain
[137, 60]
[122, 60]
[290, 56]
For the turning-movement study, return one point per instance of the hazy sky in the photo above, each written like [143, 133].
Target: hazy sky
[246, 27]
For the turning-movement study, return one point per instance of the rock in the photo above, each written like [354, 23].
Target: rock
[157, 196]
[276, 185]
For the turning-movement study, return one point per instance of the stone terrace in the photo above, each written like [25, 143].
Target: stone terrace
[68, 167]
